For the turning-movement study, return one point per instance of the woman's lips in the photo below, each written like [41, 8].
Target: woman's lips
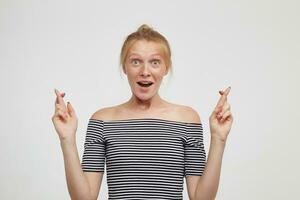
[145, 83]
[143, 88]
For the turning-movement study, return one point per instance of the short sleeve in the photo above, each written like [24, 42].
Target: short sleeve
[194, 152]
[93, 159]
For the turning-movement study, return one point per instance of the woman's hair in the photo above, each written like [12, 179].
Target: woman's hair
[144, 32]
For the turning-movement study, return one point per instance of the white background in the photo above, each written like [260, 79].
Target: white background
[252, 46]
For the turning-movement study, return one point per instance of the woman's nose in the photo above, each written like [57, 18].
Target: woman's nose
[145, 70]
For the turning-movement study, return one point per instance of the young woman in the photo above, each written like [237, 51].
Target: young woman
[147, 144]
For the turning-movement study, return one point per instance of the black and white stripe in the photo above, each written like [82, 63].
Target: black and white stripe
[144, 158]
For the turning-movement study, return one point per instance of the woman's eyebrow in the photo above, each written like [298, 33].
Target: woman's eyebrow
[133, 54]
[152, 55]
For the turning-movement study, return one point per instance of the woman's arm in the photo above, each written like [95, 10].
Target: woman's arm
[77, 184]
[65, 122]
[220, 122]
[207, 186]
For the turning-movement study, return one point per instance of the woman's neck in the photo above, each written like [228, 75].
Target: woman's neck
[152, 104]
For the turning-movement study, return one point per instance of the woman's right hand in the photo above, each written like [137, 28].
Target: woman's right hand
[64, 119]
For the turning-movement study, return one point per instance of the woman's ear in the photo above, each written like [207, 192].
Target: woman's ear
[124, 70]
[167, 70]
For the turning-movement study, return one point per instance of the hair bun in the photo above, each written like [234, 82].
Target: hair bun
[144, 28]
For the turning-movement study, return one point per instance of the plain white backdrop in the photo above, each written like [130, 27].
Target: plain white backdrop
[74, 46]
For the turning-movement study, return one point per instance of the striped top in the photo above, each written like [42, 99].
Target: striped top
[144, 158]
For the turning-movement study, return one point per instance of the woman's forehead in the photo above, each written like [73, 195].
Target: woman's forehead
[146, 48]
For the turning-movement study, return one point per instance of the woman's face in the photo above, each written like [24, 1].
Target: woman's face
[145, 68]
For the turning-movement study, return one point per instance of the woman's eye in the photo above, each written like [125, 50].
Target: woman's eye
[156, 62]
[135, 62]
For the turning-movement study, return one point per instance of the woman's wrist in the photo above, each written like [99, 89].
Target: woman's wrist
[67, 141]
[218, 140]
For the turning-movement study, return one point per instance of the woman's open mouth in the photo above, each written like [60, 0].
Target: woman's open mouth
[145, 83]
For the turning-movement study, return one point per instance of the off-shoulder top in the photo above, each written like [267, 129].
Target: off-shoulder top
[144, 158]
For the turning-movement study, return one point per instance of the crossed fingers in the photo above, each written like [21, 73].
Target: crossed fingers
[60, 106]
[59, 97]
[223, 98]
[223, 108]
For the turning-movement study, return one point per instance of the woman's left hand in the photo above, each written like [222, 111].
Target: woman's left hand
[221, 119]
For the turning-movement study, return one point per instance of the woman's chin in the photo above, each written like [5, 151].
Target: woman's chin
[143, 96]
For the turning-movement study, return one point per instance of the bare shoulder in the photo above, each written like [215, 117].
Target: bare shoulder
[103, 113]
[189, 114]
